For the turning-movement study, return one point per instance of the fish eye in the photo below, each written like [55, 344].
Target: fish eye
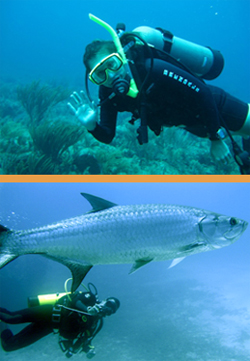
[233, 221]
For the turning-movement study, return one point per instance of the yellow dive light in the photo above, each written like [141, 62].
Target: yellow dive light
[133, 91]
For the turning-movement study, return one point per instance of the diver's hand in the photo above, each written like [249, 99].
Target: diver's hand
[85, 111]
[103, 309]
[97, 308]
[220, 151]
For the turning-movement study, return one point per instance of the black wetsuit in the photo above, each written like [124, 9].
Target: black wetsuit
[46, 319]
[172, 97]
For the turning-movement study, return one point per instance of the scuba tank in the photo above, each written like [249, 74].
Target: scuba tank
[49, 299]
[202, 61]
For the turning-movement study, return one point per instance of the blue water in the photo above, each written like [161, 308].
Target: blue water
[198, 310]
[45, 39]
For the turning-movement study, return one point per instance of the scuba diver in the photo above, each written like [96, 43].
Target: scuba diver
[77, 318]
[159, 78]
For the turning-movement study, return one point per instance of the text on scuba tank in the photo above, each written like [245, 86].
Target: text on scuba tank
[181, 79]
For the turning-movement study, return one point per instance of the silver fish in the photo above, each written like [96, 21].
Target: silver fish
[113, 234]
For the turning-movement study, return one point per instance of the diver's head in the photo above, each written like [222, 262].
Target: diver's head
[113, 303]
[103, 63]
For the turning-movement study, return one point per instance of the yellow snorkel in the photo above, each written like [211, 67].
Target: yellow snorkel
[133, 91]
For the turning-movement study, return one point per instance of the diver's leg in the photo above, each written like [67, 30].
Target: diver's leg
[10, 317]
[245, 129]
[246, 144]
[32, 314]
[234, 112]
[26, 337]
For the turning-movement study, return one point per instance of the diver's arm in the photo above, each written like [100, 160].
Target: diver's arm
[209, 113]
[218, 148]
[79, 305]
[210, 116]
[77, 302]
[105, 129]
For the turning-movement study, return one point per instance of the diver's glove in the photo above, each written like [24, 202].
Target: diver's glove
[84, 110]
[220, 151]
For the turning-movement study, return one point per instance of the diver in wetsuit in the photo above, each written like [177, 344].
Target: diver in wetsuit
[164, 92]
[77, 318]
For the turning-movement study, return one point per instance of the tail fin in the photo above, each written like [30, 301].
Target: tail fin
[5, 255]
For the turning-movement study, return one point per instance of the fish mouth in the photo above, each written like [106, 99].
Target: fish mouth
[230, 235]
[245, 224]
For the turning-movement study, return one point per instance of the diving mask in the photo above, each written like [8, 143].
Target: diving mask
[99, 74]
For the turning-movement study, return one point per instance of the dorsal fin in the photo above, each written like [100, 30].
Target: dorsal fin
[98, 204]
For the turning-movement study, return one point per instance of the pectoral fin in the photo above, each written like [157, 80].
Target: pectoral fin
[191, 246]
[176, 261]
[139, 263]
[77, 268]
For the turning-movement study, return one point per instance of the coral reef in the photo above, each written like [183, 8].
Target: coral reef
[37, 100]
[38, 135]
[54, 138]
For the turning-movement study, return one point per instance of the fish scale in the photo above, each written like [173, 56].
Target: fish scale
[112, 234]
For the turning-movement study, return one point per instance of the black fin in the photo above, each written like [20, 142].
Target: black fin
[98, 204]
[139, 263]
[78, 273]
[77, 268]
[3, 229]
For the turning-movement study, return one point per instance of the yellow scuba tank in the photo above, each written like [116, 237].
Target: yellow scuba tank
[200, 60]
[49, 299]
[52, 298]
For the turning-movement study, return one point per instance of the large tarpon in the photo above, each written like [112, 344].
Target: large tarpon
[113, 234]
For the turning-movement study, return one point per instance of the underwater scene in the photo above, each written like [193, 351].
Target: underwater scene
[197, 310]
[42, 46]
